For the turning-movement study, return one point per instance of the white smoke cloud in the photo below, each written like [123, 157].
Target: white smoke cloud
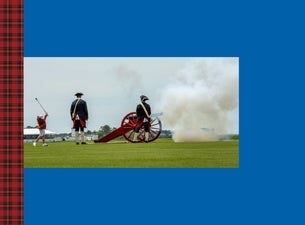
[202, 95]
[128, 79]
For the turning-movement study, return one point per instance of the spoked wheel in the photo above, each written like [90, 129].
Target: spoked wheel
[154, 129]
[128, 124]
[130, 121]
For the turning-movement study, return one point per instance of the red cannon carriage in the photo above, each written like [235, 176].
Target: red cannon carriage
[127, 129]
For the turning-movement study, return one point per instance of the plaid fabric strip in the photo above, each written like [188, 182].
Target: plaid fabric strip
[11, 112]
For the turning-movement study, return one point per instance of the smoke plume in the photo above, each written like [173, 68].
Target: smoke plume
[201, 102]
[128, 79]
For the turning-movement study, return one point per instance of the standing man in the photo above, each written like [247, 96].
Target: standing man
[79, 115]
[143, 118]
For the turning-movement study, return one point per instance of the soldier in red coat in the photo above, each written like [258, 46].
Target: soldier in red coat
[79, 115]
[42, 125]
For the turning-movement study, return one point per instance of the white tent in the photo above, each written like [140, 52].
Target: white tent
[35, 131]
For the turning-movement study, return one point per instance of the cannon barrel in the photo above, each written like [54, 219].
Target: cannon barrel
[127, 129]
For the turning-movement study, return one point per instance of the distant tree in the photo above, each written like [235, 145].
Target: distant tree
[104, 130]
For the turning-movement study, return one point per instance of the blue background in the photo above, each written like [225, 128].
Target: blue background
[268, 187]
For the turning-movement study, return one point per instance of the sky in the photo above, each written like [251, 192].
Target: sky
[192, 92]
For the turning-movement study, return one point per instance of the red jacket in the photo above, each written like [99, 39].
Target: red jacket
[42, 122]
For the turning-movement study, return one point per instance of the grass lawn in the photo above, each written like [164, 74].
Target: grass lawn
[162, 153]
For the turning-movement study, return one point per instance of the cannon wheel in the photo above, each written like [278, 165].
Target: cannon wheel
[129, 122]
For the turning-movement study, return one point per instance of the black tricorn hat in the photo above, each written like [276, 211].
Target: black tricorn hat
[144, 98]
[79, 94]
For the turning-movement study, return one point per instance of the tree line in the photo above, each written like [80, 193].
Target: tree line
[103, 131]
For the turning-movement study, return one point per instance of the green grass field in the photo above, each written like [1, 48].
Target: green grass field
[162, 153]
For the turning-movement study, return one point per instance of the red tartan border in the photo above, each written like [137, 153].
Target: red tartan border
[11, 112]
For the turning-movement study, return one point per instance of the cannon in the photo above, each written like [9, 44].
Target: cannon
[127, 129]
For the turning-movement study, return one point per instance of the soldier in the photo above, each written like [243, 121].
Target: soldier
[143, 118]
[79, 115]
